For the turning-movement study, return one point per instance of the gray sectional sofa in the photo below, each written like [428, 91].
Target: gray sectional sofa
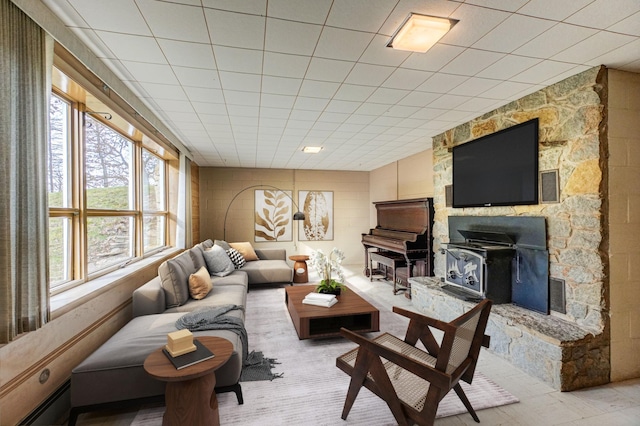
[114, 373]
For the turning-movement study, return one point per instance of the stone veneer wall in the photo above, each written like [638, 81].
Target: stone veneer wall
[572, 130]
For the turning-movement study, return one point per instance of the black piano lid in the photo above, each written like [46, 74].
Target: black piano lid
[486, 236]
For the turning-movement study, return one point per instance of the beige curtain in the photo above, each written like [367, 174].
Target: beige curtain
[26, 54]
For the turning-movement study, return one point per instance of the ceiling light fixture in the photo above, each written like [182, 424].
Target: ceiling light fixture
[311, 149]
[418, 33]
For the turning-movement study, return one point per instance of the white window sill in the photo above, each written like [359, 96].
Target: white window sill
[68, 299]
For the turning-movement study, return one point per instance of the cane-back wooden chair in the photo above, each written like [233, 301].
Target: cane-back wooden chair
[410, 380]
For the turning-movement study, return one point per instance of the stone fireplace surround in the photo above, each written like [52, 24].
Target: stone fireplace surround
[569, 351]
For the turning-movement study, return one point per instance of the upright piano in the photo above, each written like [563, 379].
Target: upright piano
[404, 232]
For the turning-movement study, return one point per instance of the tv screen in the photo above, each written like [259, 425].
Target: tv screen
[500, 169]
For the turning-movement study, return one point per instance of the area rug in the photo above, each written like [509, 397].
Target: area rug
[312, 389]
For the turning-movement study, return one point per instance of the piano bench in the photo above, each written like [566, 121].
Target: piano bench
[391, 261]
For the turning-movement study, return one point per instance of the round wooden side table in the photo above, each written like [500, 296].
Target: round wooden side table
[190, 398]
[300, 272]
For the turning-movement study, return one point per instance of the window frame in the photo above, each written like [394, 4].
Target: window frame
[78, 213]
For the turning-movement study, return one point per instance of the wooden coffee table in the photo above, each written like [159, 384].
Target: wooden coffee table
[351, 311]
[190, 397]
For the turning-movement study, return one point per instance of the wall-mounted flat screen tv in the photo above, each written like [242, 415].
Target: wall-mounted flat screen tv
[500, 169]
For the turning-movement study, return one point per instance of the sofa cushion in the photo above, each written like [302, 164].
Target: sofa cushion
[218, 263]
[200, 283]
[197, 256]
[225, 245]
[246, 250]
[206, 244]
[236, 257]
[174, 275]
[268, 271]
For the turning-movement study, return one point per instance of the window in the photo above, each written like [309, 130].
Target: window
[107, 190]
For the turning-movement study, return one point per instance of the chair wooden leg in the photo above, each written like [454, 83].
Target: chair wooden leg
[358, 376]
[465, 401]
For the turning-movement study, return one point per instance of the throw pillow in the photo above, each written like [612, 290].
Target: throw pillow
[246, 250]
[174, 278]
[200, 283]
[218, 263]
[236, 258]
[225, 245]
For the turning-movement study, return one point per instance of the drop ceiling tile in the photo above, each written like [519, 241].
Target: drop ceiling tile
[507, 67]
[386, 121]
[281, 85]
[237, 97]
[479, 105]
[555, 40]
[169, 105]
[407, 79]
[348, 107]
[285, 65]
[474, 86]
[384, 95]
[619, 57]
[604, 13]
[299, 125]
[133, 48]
[235, 29]
[372, 109]
[377, 53]
[184, 117]
[306, 103]
[542, 71]
[243, 111]
[278, 123]
[242, 124]
[318, 89]
[256, 7]
[449, 101]
[474, 23]
[471, 62]
[328, 69]
[310, 11]
[630, 25]
[428, 113]
[175, 21]
[277, 101]
[352, 92]
[238, 60]
[509, 5]
[346, 45]
[207, 118]
[239, 81]
[361, 15]
[506, 90]
[401, 111]
[333, 117]
[269, 112]
[186, 54]
[164, 91]
[512, 33]
[278, 37]
[94, 43]
[418, 99]
[195, 77]
[151, 73]
[568, 73]
[560, 10]
[306, 115]
[442, 83]
[593, 47]
[120, 16]
[200, 94]
[434, 59]
[369, 75]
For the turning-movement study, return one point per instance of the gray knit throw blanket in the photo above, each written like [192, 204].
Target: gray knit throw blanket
[214, 318]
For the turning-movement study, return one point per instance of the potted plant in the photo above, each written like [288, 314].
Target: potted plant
[326, 265]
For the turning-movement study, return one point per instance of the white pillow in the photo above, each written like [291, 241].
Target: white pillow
[218, 263]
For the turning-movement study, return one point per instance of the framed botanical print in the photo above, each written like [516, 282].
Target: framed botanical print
[317, 207]
[273, 215]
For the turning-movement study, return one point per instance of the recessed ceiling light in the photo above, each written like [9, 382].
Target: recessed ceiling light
[418, 33]
[312, 149]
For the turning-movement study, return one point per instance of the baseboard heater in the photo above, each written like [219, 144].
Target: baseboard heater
[53, 410]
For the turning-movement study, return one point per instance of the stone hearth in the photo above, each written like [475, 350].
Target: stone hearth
[559, 352]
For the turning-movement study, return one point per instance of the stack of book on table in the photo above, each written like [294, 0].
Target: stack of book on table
[318, 299]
